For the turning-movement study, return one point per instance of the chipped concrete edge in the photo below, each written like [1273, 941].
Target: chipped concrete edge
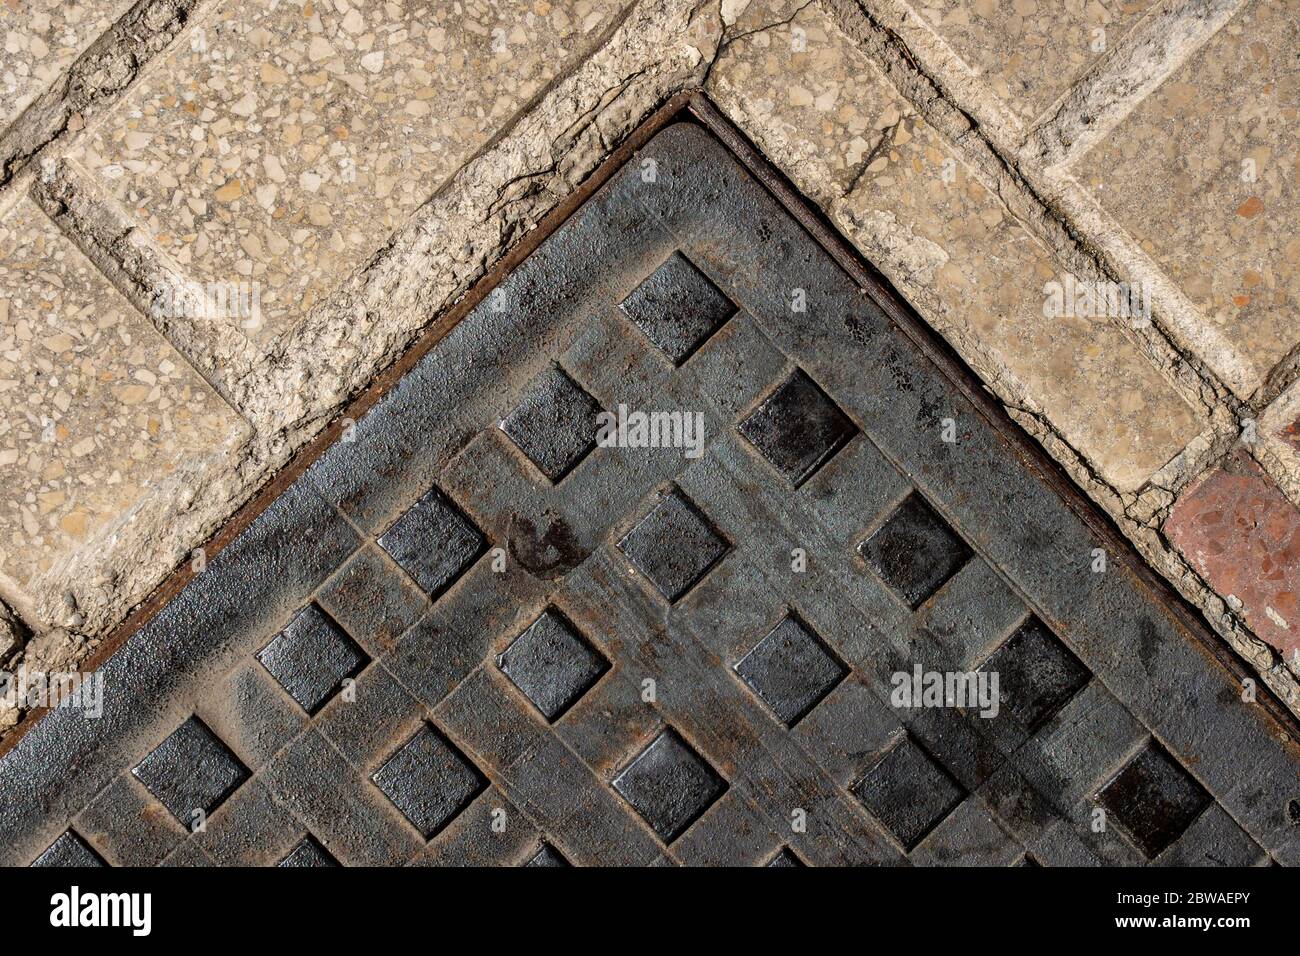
[657, 49]
[1278, 447]
[1111, 88]
[94, 81]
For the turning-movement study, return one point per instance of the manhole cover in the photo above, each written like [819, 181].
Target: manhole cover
[678, 548]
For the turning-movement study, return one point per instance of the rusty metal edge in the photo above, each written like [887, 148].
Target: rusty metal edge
[696, 105]
[954, 367]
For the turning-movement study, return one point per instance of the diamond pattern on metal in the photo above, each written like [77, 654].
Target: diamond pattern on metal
[650, 654]
[308, 853]
[552, 664]
[908, 791]
[311, 658]
[1037, 674]
[548, 855]
[915, 551]
[785, 859]
[791, 670]
[674, 545]
[797, 428]
[429, 780]
[69, 850]
[192, 770]
[433, 542]
[670, 785]
[678, 308]
[1153, 799]
[554, 424]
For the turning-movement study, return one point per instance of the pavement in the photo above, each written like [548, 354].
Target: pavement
[218, 223]
[812, 598]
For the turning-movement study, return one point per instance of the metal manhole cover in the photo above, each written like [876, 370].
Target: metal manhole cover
[730, 622]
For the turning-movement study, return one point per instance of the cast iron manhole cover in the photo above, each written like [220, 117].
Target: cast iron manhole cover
[764, 616]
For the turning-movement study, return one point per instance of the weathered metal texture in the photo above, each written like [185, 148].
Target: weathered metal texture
[471, 634]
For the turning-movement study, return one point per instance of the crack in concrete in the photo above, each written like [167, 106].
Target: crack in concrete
[728, 39]
[882, 144]
[94, 81]
[288, 401]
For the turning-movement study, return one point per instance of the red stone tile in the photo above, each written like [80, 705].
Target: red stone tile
[1243, 536]
[1291, 434]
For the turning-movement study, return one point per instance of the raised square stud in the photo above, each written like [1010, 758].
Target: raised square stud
[669, 785]
[69, 850]
[1153, 799]
[552, 664]
[1037, 674]
[915, 551]
[791, 670]
[798, 428]
[555, 424]
[192, 770]
[678, 308]
[311, 658]
[785, 858]
[433, 542]
[908, 792]
[308, 853]
[674, 545]
[429, 780]
[548, 855]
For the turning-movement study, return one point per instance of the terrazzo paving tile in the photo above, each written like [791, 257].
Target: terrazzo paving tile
[772, 690]
[302, 134]
[988, 278]
[807, 91]
[1279, 435]
[96, 408]
[1242, 534]
[1202, 174]
[1031, 51]
[897, 190]
[39, 39]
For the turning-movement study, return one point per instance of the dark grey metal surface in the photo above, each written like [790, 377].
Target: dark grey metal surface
[472, 635]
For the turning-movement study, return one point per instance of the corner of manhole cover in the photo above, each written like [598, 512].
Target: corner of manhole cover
[737, 499]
